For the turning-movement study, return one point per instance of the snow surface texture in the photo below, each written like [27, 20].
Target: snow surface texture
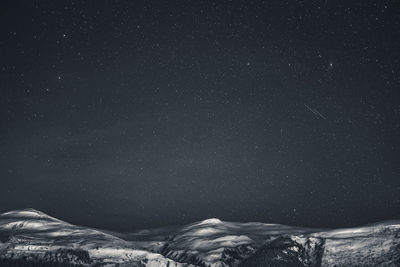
[32, 237]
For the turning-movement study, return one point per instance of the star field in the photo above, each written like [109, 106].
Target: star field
[137, 114]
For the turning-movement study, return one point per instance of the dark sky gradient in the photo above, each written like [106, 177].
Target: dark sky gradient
[137, 114]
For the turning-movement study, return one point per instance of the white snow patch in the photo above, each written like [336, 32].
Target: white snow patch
[211, 221]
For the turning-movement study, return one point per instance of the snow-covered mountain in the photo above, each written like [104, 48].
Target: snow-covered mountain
[35, 237]
[32, 237]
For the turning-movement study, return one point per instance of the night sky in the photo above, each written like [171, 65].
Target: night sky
[137, 114]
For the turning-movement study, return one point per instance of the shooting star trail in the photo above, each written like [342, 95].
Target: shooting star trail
[189, 142]
[315, 112]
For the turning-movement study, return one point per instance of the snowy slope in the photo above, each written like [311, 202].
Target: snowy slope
[373, 245]
[36, 237]
[212, 242]
[39, 237]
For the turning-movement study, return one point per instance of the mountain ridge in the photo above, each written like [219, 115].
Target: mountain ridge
[36, 237]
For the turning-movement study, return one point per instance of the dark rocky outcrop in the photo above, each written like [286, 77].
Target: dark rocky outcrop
[288, 251]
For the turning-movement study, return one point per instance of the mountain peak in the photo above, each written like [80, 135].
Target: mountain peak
[211, 221]
[27, 213]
